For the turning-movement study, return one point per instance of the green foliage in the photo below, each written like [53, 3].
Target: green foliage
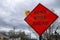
[23, 36]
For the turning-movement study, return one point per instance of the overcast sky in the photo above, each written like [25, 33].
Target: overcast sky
[12, 12]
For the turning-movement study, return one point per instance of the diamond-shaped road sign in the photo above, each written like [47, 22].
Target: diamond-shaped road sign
[40, 18]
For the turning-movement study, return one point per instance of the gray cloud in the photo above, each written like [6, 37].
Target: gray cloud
[13, 12]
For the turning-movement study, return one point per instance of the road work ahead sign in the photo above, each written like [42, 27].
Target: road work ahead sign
[40, 18]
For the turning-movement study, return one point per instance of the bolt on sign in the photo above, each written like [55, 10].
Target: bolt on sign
[40, 18]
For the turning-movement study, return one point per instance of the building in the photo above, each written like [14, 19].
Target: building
[3, 37]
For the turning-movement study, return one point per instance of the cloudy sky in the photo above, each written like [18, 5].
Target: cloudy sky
[12, 12]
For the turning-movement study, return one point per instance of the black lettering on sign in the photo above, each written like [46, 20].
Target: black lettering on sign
[39, 17]
[40, 12]
[40, 23]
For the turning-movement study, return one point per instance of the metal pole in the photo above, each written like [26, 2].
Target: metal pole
[40, 37]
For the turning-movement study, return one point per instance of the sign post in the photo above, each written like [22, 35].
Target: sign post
[40, 37]
[40, 18]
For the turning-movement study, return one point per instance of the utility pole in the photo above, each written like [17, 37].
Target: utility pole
[14, 28]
